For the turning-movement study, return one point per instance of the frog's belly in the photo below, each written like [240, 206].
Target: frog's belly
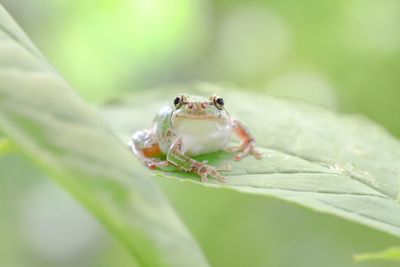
[202, 136]
[194, 145]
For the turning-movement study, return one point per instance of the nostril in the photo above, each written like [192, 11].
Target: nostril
[203, 105]
[190, 105]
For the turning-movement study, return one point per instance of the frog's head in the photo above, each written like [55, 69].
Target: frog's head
[199, 114]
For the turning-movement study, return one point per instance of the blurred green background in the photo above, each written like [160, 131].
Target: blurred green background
[341, 54]
[345, 54]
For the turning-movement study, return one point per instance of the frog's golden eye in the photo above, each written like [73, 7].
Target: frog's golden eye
[179, 101]
[218, 102]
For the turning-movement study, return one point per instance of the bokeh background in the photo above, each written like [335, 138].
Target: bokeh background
[344, 54]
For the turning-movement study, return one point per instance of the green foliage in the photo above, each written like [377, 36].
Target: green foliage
[327, 187]
[390, 254]
[65, 137]
[333, 164]
[5, 147]
[342, 53]
[113, 44]
[45, 232]
[238, 229]
[313, 157]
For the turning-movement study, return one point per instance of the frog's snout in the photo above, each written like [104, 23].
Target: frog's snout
[197, 107]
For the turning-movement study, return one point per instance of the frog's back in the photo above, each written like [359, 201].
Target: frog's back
[162, 128]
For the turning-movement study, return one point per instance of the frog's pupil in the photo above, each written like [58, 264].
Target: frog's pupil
[177, 100]
[220, 101]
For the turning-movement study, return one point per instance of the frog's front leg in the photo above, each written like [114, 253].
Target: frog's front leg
[144, 145]
[248, 145]
[178, 158]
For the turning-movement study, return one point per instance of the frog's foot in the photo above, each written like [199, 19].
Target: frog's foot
[204, 170]
[245, 149]
[153, 163]
[221, 168]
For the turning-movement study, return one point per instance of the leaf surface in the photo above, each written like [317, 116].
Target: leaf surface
[340, 164]
[49, 122]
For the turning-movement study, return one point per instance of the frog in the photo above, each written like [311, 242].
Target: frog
[190, 126]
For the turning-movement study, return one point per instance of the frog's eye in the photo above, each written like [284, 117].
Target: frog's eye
[219, 102]
[178, 101]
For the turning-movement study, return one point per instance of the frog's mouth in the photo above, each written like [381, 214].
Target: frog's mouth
[199, 117]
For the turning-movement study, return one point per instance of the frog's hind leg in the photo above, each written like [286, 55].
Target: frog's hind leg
[144, 145]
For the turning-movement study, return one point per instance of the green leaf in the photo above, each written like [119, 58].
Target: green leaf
[5, 147]
[28, 196]
[65, 137]
[390, 254]
[343, 165]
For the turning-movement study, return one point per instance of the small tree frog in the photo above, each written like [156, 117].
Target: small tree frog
[187, 127]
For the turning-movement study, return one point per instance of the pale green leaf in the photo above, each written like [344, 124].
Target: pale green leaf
[47, 120]
[344, 165]
[5, 146]
[390, 254]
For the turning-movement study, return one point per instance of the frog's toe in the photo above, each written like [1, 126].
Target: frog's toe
[156, 163]
[245, 152]
[151, 166]
[222, 179]
[257, 154]
[215, 173]
[249, 148]
[205, 170]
